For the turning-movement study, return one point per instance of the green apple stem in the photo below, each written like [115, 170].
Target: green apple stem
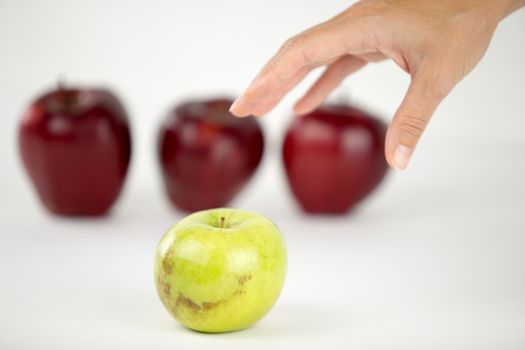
[221, 222]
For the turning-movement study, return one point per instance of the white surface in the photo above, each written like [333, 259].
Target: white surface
[434, 260]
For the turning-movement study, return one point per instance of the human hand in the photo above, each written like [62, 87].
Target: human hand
[437, 42]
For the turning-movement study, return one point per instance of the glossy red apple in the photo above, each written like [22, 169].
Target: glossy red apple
[206, 154]
[75, 144]
[334, 158]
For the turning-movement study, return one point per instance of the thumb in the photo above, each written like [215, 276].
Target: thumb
[426, 91]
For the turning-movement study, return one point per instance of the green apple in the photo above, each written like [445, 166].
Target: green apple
[220, 270]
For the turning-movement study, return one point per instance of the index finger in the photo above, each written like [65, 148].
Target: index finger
[311, 48]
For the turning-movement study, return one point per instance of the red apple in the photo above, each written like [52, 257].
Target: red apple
[75, 144]
[334, 158]
[206, 154]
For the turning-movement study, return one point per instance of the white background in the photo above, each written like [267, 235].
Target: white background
[433, 260]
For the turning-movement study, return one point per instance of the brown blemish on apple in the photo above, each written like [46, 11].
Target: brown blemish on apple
[167, 265]
[166, 288]
[184, 301]
[245, 278]
[164, 292]
[158, 281]
[239, 292]
[209, 306]
[163, 288]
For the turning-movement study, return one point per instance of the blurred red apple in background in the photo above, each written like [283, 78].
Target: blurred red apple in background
[206, 154]
[75, 144]
[334, 157]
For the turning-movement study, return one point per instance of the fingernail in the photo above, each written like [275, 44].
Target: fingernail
[402, 155]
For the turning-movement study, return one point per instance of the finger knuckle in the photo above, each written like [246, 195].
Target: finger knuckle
[369, 8]
[297, 51]
[411, 128]
[294, 43]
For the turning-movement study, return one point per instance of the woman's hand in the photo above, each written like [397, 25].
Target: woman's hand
[437, 42]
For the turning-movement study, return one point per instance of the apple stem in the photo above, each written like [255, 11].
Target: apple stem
[221, 222]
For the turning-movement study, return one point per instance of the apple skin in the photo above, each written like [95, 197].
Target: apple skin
[219, 279]
[334, 157]
[206, 154]
[75, 145]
